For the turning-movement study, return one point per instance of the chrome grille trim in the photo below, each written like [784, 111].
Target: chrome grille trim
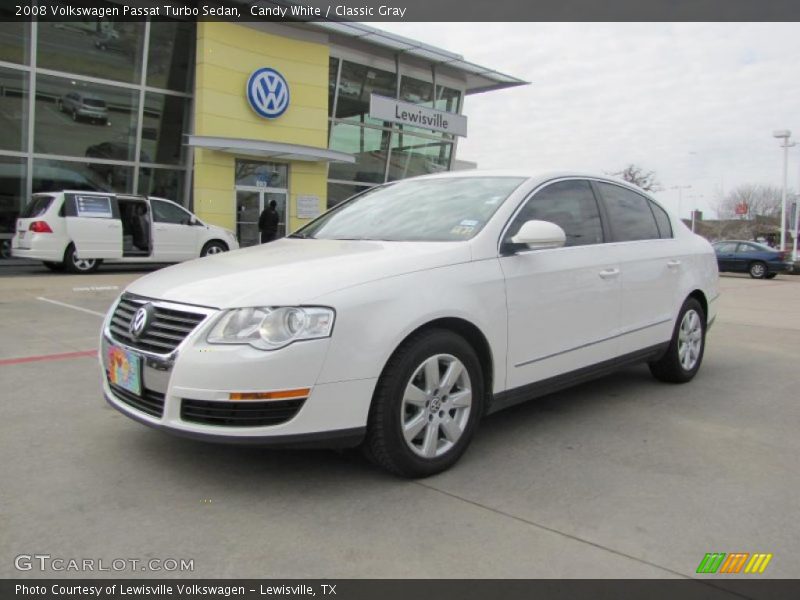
[172, 324]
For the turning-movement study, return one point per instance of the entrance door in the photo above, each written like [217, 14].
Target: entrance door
[250, 203]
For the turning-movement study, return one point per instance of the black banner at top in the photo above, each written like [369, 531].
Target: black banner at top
[404, 10]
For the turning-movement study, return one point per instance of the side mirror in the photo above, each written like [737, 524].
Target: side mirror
[193, 220]
[538, 235]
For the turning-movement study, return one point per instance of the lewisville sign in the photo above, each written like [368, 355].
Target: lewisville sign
[397, 111]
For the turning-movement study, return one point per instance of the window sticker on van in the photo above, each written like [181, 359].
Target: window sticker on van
[98, 207]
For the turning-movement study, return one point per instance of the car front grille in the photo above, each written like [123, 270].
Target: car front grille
[163, 334]
[240, 414]
[150, 402]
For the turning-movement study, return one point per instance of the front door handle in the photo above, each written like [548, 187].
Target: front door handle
[608, 273]
[672, 264]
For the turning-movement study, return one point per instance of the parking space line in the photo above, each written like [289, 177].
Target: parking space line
[73, 307]
[41, 357]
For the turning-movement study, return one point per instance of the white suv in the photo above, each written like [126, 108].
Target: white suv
[400, 317]
[77, 231]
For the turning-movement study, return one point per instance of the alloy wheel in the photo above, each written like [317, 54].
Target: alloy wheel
[436, 405]
[83, 264]
[690, 340]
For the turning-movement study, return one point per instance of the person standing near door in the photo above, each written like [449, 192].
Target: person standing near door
[268, 222]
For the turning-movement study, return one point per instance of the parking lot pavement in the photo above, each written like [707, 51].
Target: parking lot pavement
[622, 477]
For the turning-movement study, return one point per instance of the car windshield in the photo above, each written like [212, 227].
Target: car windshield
[431, 210]
[37, 206]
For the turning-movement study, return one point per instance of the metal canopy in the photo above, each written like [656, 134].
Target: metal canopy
[262, 149]
[478, 79]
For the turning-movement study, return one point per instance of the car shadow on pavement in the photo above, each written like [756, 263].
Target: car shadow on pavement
[230, 466]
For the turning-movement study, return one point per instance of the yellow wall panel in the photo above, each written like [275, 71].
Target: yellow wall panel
[227, 54]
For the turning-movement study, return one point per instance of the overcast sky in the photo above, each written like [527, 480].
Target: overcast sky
[696, 103]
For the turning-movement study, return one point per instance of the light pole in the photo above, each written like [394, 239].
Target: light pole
[680, 189]
[784, 134]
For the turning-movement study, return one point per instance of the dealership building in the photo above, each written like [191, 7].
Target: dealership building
[224, 117]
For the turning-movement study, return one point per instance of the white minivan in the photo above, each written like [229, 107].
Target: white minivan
[76, 231]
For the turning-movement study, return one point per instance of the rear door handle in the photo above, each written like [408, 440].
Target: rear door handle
[673, 264]
[608, 273]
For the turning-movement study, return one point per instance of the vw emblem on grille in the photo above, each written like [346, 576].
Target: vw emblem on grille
[268, 93]
[140, 320]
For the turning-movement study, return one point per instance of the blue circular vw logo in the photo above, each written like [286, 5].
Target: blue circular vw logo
[268, 93]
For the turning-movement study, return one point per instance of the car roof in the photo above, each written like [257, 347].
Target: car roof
[533, 175]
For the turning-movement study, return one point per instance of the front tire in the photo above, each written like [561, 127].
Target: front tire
[79, 265]
[684, 355]
[758, 270]
[426, 406]
[213, 247]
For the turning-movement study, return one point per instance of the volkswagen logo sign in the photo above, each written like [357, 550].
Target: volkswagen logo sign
[268, 93]
[140, 320]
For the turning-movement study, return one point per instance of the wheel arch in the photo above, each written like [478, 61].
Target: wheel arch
[214, 241]
[474, 337]
[700, 296]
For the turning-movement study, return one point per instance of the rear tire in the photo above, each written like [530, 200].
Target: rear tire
[684, 355]
[79, 265]
[426, 406]
[213, 247]
[56, 267]
[757, 270]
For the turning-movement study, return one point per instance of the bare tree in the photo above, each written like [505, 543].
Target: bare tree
[639, 177]
[760, 200]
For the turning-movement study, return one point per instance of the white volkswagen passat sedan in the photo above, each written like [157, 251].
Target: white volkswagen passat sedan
[400, 317]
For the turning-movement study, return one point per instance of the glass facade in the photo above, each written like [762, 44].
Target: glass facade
[384, 151]
[93, 106]
[105, 105]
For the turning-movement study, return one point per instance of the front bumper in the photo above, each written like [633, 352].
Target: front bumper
[197, 374]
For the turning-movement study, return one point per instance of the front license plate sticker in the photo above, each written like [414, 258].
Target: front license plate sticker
[124, 369]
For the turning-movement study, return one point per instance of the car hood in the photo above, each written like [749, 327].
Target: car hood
[292, 271]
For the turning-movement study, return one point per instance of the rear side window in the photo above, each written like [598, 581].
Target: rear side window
[662, 220]
[570, 205]
[629, 213]
[37, 206]
[165, 212]
[725, 248]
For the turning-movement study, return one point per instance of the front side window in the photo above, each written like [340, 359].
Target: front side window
[629, 213]
[165, 212]
[433, 210]
[569, 204]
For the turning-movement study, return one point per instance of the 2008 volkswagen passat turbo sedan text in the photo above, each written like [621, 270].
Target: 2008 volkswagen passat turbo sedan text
[402, 316]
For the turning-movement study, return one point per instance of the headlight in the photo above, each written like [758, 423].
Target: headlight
[270, 328]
